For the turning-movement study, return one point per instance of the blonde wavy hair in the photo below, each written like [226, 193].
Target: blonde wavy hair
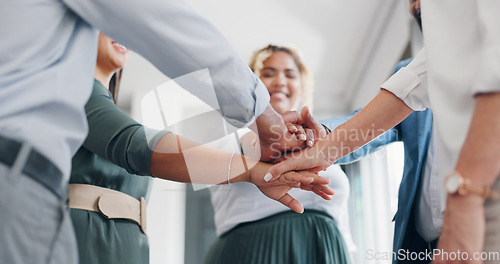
[257, 63]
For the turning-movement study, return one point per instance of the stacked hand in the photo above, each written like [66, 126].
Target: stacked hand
[304, 126]
[313, 159]
[278, 189]
[290, 132]
[300, 131]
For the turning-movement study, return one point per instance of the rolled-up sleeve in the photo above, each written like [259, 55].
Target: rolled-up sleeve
[488, 78]
[410, 83]
[178, 41]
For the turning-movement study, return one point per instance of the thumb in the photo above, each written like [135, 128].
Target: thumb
[310, 122]
[293, 117]
[304, 112]
[291, 203]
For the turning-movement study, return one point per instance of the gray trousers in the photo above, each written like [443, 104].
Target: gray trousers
[492, 239]
[35, 226]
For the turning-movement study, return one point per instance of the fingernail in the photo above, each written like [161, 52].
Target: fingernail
[310, 143]
[268, 177]
[302, 137]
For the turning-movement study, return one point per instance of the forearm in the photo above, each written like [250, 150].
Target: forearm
[479, 159]
[269, 125]
[381, 114]
[178, 159]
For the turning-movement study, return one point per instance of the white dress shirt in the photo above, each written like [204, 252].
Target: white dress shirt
[462, 46]
[48, 53]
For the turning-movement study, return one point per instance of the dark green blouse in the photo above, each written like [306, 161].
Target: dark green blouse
[113, 156]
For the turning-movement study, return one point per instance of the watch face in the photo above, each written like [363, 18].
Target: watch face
[452, 183]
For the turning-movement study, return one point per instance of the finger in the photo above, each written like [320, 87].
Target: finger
[315, 169]
[323, 188]
[292, 117]
[301, 133]
[324, 191]
[291, 203]
[311, 123]
[321, 193]
[291, 127]
[310, 137]
[302, 161]
[293, 184]
[293, 176]
[306, 187]
[316, 178]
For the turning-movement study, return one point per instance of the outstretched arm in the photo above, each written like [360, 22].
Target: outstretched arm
[116, 137]
[179, 159]
[382, 113]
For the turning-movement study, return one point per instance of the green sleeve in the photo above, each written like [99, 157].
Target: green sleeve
[115, 136]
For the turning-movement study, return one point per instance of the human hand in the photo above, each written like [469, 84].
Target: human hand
[303, 133]
[278, 188]
[274, 137]
[304, 125]
[463, 230]
[314, 159]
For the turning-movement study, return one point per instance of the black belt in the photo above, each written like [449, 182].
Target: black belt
[37, 166]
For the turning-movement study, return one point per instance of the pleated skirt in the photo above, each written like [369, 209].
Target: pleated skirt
[284, 238]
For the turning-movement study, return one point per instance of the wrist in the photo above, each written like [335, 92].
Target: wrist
[257, 173]
[460, 207]
[474, 200]
[458, 185]
[239, 169]
[268, 120]
[326, 152]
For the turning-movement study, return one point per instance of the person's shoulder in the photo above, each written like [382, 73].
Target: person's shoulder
[100, 90]
[402, 64]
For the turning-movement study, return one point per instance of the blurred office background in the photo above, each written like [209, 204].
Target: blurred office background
[352, 47]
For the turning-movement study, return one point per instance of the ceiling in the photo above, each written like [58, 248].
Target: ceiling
[351, 46]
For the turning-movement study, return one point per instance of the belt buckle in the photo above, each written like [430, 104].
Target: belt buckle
[121, 206]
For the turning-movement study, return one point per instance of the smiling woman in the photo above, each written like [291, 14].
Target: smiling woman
[287, 79]
[111, 56]
[253, 230]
